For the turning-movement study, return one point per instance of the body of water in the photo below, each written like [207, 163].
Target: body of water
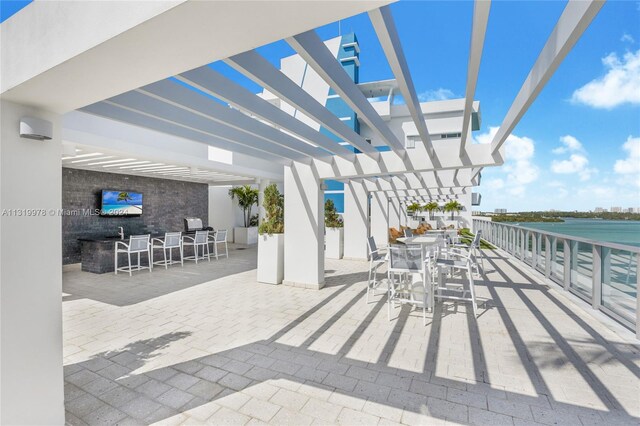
[615, 231]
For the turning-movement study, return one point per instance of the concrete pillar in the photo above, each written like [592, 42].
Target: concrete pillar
[394, 213]
[356, 221]
[31, 389]
[303, 227]
[262, 184]
[380, 218]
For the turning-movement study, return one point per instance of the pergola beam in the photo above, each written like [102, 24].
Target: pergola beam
[309, 46]
[575, 19]
[387, 33]
[215, 84]
[118, 113]
[142, 103]
[479, 28]
[179, 95]
[257, 68]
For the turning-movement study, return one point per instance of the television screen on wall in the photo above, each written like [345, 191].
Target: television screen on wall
[121, 203]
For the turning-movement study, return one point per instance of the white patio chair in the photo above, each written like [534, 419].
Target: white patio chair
[457, 261]
[171, 240]
[377, 258]
[408, 233]
[408, 278]
[474, 247]
[200, 239]
[137, 244]
[219, 237]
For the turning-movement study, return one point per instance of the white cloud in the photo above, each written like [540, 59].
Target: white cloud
[627, 38]
[440, 94]
[570, 144]
[518, 168]
[629, 168]
[620, 85]
[631, 164]
[577, 163]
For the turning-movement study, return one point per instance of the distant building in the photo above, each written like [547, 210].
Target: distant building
[500, 211]
[600, 210]
[633, 210]
[616, 209]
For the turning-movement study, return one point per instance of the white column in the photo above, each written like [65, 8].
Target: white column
[380, 218]
[356, 221]
[262, 184]
[465, 219]
[394, 213]
[32, 390]
[303, 227]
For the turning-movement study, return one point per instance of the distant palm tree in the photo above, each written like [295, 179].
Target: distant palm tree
[124, 196]
[247, 198]
[453, 206]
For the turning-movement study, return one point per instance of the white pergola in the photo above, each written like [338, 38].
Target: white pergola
[205, 106]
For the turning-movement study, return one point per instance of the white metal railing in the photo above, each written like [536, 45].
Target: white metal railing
[602, 274]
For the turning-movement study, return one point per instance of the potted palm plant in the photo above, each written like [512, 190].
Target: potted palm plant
[247, 198]
[271, 241]
[453, 207]
[334, 240]
[431, 207]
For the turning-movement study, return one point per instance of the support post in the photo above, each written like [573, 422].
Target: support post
[356, 220]
[303, 227]
[596, 276]
[32, 386]
[380, 218]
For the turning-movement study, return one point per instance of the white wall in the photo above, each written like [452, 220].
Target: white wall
[222, 212]
[31, 377]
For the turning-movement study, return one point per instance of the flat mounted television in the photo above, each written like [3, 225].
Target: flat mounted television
[121, 203]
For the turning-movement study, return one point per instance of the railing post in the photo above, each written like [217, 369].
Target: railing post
[596, 277]
[523, 240]
[567, 264]
[534, 250]
[547, 256]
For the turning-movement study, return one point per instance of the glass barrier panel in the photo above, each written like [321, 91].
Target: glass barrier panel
[581, 268]
[619, 282]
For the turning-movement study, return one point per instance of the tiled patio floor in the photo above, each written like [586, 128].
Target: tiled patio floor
[207, 344]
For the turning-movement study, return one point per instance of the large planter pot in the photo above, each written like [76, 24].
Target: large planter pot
[246, 236]
[334, 243]
[271, 258]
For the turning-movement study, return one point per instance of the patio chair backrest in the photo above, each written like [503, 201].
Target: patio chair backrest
[403, 258]
[373, 249]
[221, 235]
[408, 233]
[201, 237]
[172, 239]
[476, 240]
[139, 243]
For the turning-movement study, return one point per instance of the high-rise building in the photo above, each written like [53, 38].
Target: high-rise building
[616, 209]
[500, 211]
[600, 210]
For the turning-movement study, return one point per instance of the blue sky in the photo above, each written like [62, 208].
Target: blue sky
[577, 148]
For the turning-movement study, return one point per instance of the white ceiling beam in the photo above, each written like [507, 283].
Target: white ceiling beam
[213, 83]
[309, 46]
[176, 94]
[387, 33]
[481, 10]
[142, 103]
[257, 68]
[117, 113]
[575, 19]
[479, 155]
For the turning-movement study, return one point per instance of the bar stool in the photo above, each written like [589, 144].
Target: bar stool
[171, 240]
[137, 244]
[201, 239]
[220, 237]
